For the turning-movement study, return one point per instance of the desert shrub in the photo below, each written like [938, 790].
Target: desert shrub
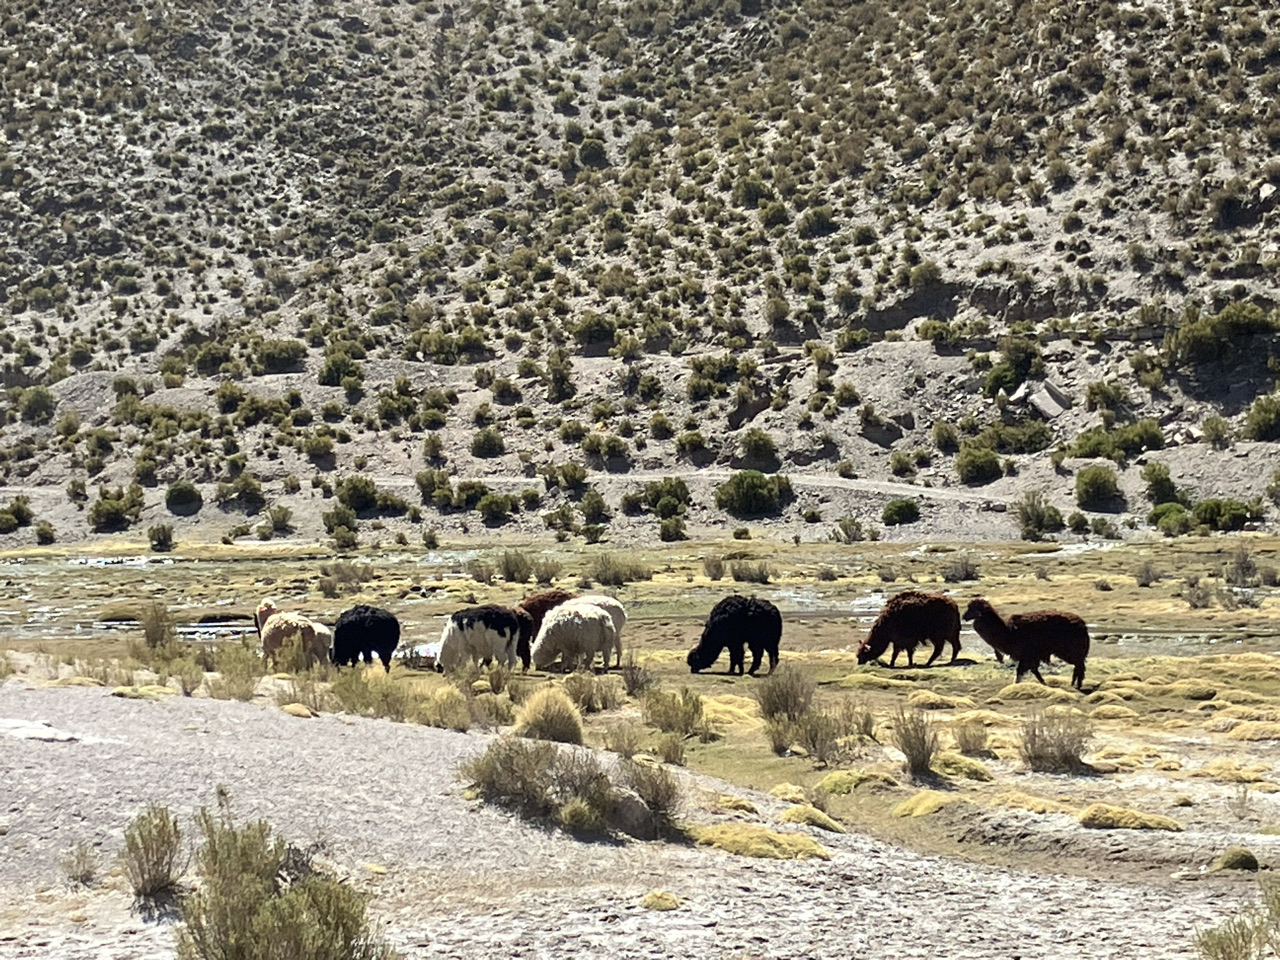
[1217, 432]
[1036, 516]
[488, 442]
[549, 715]
[745, 571]
[977, 465]
[971, 738]
[672, 530]
[45, 534]
[615, 571]
[829, 735]
[380, 697]
[116, 509]
[1171, 519]
[1242, 569]
[154, 856]
[513, 773]
[495, 508]
[183, 497]
[623, 738]
[657, 788]
[713, 567]
[1054, 743]
[751, 493]
[673, 712]
[669, 748]
[260, 899]
[160, 536]
[1119, 443]
[281, 356]
[637, 679]
[1096, 487]
[1160, 485]
[514, 567]
[480, 571]
[898, 512]
[960, 568]
[785, 694]
[80, 865]
[592, 694]
[758, 445]
[915, 735]
[1146, 574]
[447, 708]
[1202, 339]
[157, 624]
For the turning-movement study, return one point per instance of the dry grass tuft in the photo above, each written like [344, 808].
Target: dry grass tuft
[924, 803]
[660, 900]
[80, 865]
[916, 736]
[753, 840]
[549, 714]
[1254, 731]
[445, 707]
[840, 783]
[811, 816]
[727, 801]
[1103, 816]
[154, 857]
[1054, 743]
[958, 765]
[930, 700]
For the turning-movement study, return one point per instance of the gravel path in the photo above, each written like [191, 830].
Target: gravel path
[463, 882]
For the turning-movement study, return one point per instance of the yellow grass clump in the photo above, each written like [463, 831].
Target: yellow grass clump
[77, 681]
[1227, 770]
[481, 686]
[988, 718]
[1025, 801]
[788, 792]
[1190, 690]
[753, 840]
[931, 700]
[958, 765]
[1103, 816]
[1111, 711]
[1104, 697]
[840, 783]
[660, 900]
[1034, 691]
[446, 707]
[727, 801]
[871, 681]
[812, 816]
[731, 710]
[1255, 730]
[1249, 713]
[1236, 858]
[297, 710]
[1232, 695]
[150, 691]
[1169, 763]
[924, 803]
[549, 714]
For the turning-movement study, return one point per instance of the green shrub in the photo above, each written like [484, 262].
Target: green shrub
[900, 511]
[977, 465]
[1119, 443]
[154, 857]
[758, 445]
[116, 509]
[488, 442]
[752, 493]
[1203, 339]
[161, 537]
[514, 567]
[672, 530]
[37, 405]
[281, 356]
[1160, 486]
[1263, 420]
[1036, 516]
[1171, 518]
[1221, 514]
[1096, 488]
[357, 492]
[45, 534]
[495, 508]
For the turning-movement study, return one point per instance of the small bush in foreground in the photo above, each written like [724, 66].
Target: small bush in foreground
[260, 899]
[898, 512]
[1096, 487]
[637, 679]
[674, 712]
[154, 857]
[81, 864]
[1054, 743]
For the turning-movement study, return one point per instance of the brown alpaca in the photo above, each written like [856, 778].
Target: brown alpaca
[910, 619]
[1030, 639]
[537, 606]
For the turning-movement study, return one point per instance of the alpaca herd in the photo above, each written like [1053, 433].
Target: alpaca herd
[556, 627]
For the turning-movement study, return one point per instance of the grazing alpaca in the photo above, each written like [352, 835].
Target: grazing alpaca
[363, 631]
[574, 632]
[910, 619]
[614, 608]
[321, 637]
[266, 610]
[738, 622]
[538, 605]
[485, 634]
[279, 628]
[1030, 639]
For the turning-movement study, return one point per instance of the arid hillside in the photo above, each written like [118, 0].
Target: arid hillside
[374, 270]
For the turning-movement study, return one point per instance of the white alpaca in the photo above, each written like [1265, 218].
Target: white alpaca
[574, 632]
[614, 608]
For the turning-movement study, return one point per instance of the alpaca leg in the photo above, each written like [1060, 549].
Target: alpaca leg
[999, 655]
[756, 653]
[937, 649]
[955, 648]
[894, 658]
[1077, 676]
[1035, 670]
[773, 659]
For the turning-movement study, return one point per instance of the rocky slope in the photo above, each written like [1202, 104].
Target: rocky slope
[296, 243]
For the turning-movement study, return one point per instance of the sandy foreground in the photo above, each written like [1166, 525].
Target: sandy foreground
[451, 879]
